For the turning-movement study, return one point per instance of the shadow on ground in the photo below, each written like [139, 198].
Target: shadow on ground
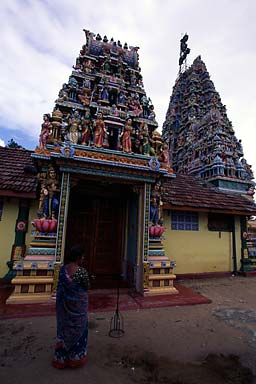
[148, 368]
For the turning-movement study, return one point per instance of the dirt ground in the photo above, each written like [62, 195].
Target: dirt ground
[210, 343]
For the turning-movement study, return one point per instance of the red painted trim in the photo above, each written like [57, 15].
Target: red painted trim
[248, 273]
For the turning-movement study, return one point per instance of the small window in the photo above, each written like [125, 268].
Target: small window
[1, 207]
[220, 222]
[184, 221]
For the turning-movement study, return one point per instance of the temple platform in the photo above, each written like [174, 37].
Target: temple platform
[103, 300]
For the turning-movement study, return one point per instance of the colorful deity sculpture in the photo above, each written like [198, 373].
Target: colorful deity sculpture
[73, 87]
[144, 135]
[74, 128]
[135, 107]
[86, 130]
[84, 96]
[88, 66]
[152, 115]
[99, 131]
[155, 203]
[46, 131]
[165, 155]
[156, 143]
[145, 105]
[49, 202]
[126, 136]
[121, 98]
[63, 93]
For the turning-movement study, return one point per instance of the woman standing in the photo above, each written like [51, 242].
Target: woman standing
[72, 313]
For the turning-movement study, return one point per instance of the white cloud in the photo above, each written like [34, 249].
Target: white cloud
[2, 143]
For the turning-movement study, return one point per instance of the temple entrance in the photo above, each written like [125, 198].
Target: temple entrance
[96, 221]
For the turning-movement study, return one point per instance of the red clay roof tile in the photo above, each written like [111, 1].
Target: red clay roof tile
[13, 178]
[188, 191]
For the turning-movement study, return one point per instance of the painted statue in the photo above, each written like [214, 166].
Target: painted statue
[152, 115]
[145, 104]
[104, 94]
[46, 130]
[145, 139]
[126, 136]
[73, 86]
[135, 107]
[86, 130]
[99, 131]
[155, 202]
[63, 93]
[74, 127]
[85, 96]
[49, 202]
[165, 155]
[121, 98]
[156, 143]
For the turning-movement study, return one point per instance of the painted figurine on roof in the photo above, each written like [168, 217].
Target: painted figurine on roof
[126, 136]
[46, 130]
[99, 131]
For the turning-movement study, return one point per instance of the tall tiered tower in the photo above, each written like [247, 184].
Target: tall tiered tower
[106, 79]
[201, 138]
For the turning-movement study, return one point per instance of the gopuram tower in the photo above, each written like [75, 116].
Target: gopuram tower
[201, 138]
[100, 162]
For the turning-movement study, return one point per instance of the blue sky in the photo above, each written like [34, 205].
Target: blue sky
[40, 41]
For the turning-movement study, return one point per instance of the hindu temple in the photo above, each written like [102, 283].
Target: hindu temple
[99, 163]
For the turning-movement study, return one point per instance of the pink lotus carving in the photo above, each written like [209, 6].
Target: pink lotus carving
[45, 225]
[156, 230]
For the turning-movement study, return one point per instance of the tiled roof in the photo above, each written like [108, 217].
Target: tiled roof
[189, 192]
[15, 180]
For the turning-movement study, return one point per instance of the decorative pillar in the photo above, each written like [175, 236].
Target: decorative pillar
[62, 224]
[145, 207]
[147, 191]
[62, 220]
[158, 268]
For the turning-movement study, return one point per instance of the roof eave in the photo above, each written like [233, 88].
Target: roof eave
[240, 212]
[16, 194]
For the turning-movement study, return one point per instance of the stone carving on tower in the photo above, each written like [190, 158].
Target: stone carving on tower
[201, 138]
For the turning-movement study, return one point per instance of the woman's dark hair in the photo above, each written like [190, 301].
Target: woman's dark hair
[76, 252]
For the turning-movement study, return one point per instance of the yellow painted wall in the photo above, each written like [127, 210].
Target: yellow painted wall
[7, 231]
[200, 251]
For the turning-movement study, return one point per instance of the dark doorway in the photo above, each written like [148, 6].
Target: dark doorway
[95, 221]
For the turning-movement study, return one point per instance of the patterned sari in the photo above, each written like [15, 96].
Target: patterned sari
[72, 319]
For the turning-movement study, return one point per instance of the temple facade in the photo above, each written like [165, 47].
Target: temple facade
[101, 177]
[201, 138]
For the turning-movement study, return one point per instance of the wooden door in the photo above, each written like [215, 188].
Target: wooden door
[96, 224]
[108, 233]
